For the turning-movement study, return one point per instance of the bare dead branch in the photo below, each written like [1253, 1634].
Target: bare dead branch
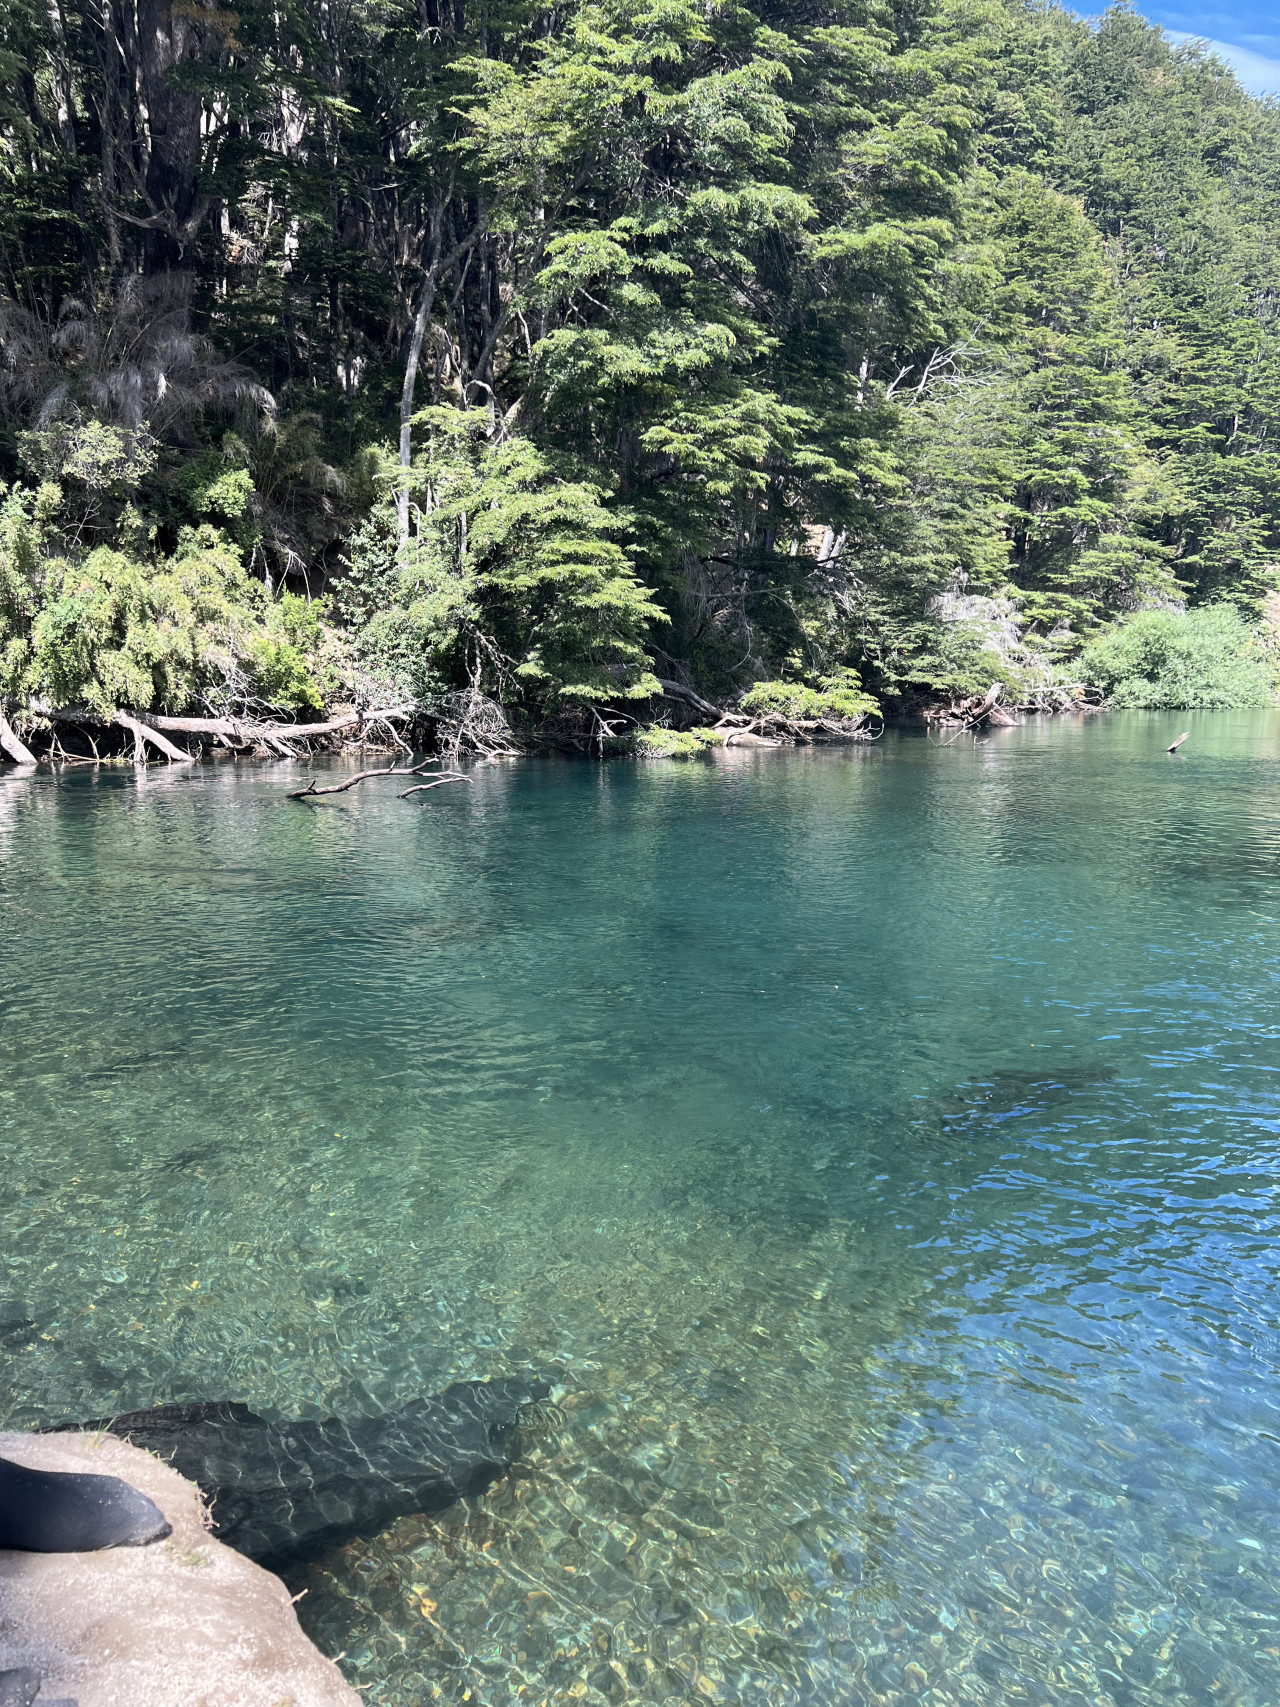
[312, 792]
[12, 744]
[144, 736]
[439, 782]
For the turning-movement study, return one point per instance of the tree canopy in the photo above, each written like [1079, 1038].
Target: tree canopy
[407, 346]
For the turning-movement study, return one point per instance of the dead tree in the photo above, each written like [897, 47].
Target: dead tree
[238, 734]
[10, 743]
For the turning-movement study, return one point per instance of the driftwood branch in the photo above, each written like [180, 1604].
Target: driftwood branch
[145, 735]
[153, 729]
[12, 744]
[438, 782]
[313, 792]
[751, 738]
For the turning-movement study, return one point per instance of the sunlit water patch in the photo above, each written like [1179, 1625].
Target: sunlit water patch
[877, 1146]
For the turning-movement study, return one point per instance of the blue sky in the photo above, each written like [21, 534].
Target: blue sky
[1246, 35]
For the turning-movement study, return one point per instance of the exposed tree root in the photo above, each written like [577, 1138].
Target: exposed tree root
[972, 712]
[982, 708]
[470, 721]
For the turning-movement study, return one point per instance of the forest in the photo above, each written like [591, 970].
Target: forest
[527, 372]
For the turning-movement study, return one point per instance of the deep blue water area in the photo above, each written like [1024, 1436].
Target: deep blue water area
[877, 1144]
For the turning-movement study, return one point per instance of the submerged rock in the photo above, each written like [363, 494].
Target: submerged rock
[283, 1490]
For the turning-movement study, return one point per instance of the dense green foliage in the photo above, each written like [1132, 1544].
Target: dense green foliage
[838, 696]
[1179, 660]
[396, 349]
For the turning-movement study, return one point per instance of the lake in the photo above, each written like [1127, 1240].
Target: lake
[877, 1145]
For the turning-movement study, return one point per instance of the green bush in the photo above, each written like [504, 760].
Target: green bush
[120, 628]
[1207, 659]
[281, 660]
[839, 697]
[676, 743]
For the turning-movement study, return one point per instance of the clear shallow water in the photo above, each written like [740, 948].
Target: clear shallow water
[880, 1144]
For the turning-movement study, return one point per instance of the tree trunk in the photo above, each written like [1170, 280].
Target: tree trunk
[143, 734]
[151, 127]
[438, 266]
[12, 744]
[62, 81]
[426, 302]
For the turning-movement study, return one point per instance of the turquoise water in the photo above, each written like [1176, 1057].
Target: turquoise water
[878, 1144]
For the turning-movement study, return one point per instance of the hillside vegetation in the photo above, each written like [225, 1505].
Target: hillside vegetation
[549, 370]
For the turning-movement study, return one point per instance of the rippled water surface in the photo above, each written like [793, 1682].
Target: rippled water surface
[878, 1145]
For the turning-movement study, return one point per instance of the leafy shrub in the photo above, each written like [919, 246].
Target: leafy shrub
[840, 697]
[118, 628]
[676, 743]
[228, 494]
[1206, 659]
[91, 454]
[281, 660]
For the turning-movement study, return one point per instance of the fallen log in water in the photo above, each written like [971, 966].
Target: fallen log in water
[283, 1490]
[10, 743]
[145, 733]
[241, 734]
[773, 729]
[313, 790]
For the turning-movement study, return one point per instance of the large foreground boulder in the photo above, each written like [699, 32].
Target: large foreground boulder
[182, 1621]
